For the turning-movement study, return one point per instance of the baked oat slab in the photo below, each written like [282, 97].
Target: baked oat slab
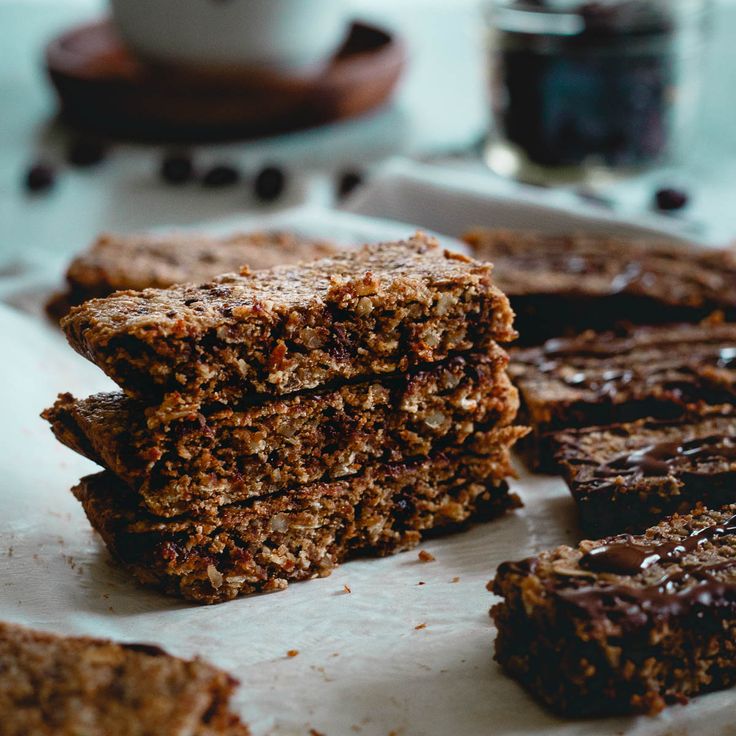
[140, 261]
[624, 624]
[626, 477]
[598, 379]
[74, 686]
[264, 544]
[379, 310]
[565, 284]
[198, 463]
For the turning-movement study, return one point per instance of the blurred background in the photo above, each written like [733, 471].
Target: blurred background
[473, 95]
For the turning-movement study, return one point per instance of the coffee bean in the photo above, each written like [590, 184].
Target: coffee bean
[40, 177]
[669, 200]
[348, 182]
[177, 168]
[270, 184]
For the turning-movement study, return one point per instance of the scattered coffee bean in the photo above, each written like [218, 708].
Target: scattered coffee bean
[40, 177]
[270, 184]
[86, 152]
[669, 200]
[177, 168]
[221, 175]
[349, 181]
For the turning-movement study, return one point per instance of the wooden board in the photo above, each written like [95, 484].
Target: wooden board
[104, 89]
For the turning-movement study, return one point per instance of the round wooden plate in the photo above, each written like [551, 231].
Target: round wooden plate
[104, 89]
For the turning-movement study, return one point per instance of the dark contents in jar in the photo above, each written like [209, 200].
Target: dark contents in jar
[600, 85]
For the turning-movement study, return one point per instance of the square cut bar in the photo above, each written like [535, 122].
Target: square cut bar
[379, 310]
[198, 463]
[624, 624]
[599, 379]
[565, 284]
[142, 261]
[264, 544]
[626, 477]
[73, 685]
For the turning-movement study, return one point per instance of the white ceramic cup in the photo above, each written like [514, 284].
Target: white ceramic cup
[233, 33]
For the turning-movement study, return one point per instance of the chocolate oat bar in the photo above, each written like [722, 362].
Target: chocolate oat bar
[624, 624]
[73, 685]
[118, 262]
[264, 544]
[626, 477]
[565, 284]
[199, 462]
[379, 310]
[599, 379]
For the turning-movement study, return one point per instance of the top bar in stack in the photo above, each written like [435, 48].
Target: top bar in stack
[564, 284]
[375, 311]
[141, 261]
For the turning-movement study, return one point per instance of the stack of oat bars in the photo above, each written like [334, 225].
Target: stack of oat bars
[273, 424]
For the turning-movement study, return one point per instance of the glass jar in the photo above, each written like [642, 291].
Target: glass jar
[580, 88]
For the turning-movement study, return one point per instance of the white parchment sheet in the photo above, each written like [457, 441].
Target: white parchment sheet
[362, 667]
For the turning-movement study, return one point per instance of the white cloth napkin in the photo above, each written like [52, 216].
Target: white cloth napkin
[452, 197]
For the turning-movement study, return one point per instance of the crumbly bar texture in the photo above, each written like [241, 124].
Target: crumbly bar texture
[379, 310]
[120, 262]
[264, 544]
[79, 686]
[198, 463]
[624, 624]
[565, 284]
[626, 477]
[599, 379]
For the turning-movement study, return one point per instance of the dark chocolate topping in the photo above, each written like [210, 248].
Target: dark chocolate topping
[659, 459]
[626, 558]
[666, 597]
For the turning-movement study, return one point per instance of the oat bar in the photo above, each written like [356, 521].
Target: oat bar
[264, 544]
[117, 262]
[380, 310]
[70, 686]
[624, 624]
[565, 284]
[199, 462]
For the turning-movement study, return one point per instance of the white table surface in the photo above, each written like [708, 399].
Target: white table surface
[439, 107]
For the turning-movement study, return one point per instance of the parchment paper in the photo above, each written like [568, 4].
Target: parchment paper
[363, 665]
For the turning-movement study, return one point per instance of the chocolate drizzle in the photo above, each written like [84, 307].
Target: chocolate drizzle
[665, 597]
[627, 558]
[680, 366]
[659, 459]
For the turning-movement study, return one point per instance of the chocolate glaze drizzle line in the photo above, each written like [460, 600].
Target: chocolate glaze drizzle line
[663, 597]
[658, 459]
[627, 558]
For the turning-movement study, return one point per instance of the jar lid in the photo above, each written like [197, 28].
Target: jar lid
[595, 17]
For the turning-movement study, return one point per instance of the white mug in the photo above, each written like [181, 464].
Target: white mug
[233, 33]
